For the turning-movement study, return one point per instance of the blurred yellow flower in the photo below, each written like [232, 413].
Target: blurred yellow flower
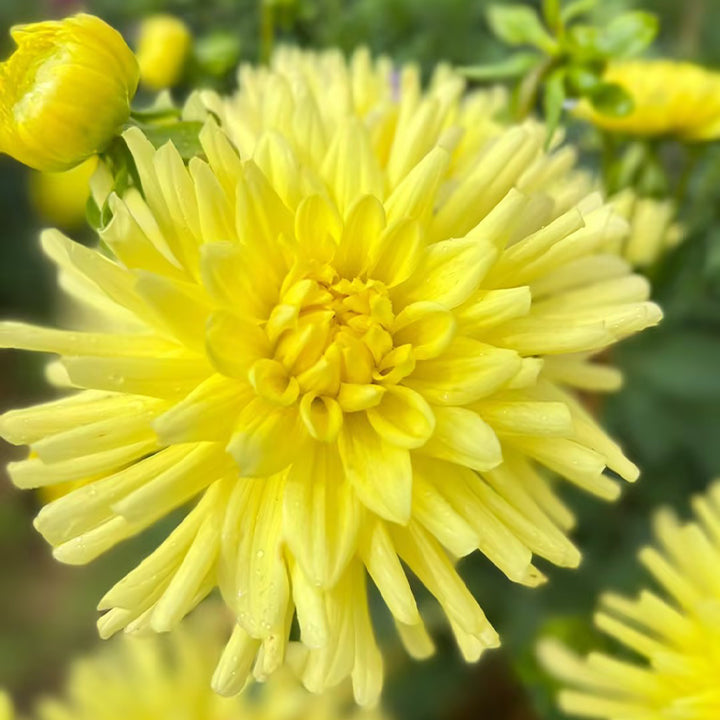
[352, 331]
[162, 48]
[671, 98]
[653, 228]
[60, 198]
[6, 708]
[673, 638]
[167, 678]
[64, 92]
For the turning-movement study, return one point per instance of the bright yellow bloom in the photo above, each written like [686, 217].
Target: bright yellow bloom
[352, 330]
[671, 98]
[65, 91]
[162, 48]
[167, 678]
[60, 198]
[653, 229]
[673, 637]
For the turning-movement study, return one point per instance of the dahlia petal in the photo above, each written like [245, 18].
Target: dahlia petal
[257, 586]
[214, 207]
[233, 669]
[351, 397]
[414, 196]
[158, 377]
[130, 243]
[234, 344]
[367, 672]
[380, 558]
[276, 160]
[427, 327]
[494, 173]
[431, 565]
[489, 308]
[266, 438]
[574, 461]
[28, 425]
[182, 207]
[321, 516]
[318, 227]
[322, 417]
[437, 516]
[579, 372]
[91, 544]
[380, 472]
[198, 563]
[221, 155]
[34, 473]
[397, 252]
[207, 413]
[450, 271]
[225, 274]
[202, 465]
[526, 417]
[580, 273]
[462, 436]
[416, 640]
[350, 168]
[174, 306]
[364, 225]
[310, 608]
[467, 371]
[402, 418]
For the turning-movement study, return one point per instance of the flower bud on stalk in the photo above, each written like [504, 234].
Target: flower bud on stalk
[65, 92]
[162, 48]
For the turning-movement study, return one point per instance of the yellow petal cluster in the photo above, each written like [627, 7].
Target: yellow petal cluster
[671, 638]
[653, 227]
[349, 336]
[673, 98]
[167, 678]
[65, 91]
[162, 48]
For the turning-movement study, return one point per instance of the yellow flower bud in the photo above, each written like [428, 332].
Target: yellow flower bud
[60, 197]
[162, 47]
[65, 91]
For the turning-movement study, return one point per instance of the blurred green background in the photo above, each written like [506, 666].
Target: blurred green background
[667, 417]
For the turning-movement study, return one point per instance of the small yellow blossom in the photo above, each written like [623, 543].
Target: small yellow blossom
[350, 334]
[673, 637]
[653, 229]
[167, 678]
[64, 92]
[162, 48]
[671, 98]
[60, 198]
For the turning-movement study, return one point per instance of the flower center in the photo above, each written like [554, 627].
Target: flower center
[332, 346]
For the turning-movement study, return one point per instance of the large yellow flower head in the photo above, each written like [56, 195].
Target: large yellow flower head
[348, 334]
[670, 98]
[673, 637]
[166, 678]
[65, 91]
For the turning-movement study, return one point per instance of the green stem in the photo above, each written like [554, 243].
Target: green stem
[692, 157]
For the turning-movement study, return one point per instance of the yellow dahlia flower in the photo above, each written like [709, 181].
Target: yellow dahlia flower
[60, 198]
[65, 91]
[671, 98]
[673, 638]
[653, 229]
[349, 335]
[162, 48]
[167, 678]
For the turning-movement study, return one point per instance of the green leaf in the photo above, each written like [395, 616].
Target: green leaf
[184, 135]
[583, 79]
[577, 8]
[513, 66]
[551, 13]
[520, 25]
[629, 34]
[553, 99]
[611, 99]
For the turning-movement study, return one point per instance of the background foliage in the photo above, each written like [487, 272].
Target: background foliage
[667, 417]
